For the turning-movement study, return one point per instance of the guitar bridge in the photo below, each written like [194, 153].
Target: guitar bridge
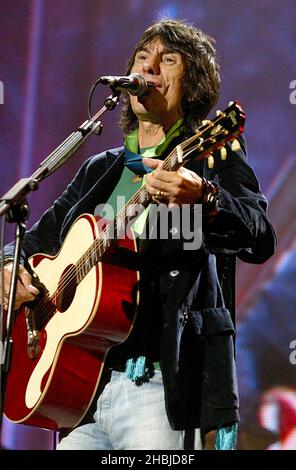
[33, 335]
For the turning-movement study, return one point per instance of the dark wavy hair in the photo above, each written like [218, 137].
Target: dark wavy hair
[201, 82]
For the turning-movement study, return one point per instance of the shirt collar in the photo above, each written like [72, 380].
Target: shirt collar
[131, 140]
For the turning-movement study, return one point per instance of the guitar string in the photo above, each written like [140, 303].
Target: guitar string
[44, 313]
[98, 244]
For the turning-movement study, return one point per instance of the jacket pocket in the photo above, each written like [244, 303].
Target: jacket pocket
[219, 380]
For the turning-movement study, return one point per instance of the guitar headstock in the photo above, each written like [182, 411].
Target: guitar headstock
[213, 135]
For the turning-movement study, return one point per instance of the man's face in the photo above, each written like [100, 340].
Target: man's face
[165, 69]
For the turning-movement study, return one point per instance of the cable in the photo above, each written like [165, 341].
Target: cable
[90, 97]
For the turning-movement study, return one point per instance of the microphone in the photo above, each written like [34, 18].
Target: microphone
[134, 83]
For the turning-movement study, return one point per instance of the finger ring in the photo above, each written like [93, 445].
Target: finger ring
[159, 193]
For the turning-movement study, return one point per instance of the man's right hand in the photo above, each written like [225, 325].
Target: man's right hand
[25, 290]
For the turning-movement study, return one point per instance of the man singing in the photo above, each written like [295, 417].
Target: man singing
[174, 379]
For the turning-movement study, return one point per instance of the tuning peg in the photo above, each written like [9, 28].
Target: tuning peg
[223, 153]
[230, 103]
[219, 113]
[205, 122]
[235, 146]
[210, 161]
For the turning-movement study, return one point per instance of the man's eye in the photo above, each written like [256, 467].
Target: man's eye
[141, 57]
[168, 60]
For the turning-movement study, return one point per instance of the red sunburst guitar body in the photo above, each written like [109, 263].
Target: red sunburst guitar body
[59, 346]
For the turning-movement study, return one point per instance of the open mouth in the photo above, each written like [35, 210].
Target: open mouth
[151, 84]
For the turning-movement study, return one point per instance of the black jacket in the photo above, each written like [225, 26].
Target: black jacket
[194, 299]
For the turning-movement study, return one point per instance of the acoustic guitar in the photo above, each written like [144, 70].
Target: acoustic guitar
[87, 303]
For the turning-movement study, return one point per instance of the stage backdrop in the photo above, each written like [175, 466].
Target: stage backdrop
[51, 53]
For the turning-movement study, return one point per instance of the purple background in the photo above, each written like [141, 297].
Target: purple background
[51, 52]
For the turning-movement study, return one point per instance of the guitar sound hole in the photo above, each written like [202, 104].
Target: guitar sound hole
[66, 288]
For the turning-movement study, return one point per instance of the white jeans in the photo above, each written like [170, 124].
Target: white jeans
[129, 417]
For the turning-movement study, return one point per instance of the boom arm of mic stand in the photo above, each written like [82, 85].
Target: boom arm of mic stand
[58, 157]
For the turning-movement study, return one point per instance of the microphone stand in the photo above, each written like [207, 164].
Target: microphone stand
[14, 206]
